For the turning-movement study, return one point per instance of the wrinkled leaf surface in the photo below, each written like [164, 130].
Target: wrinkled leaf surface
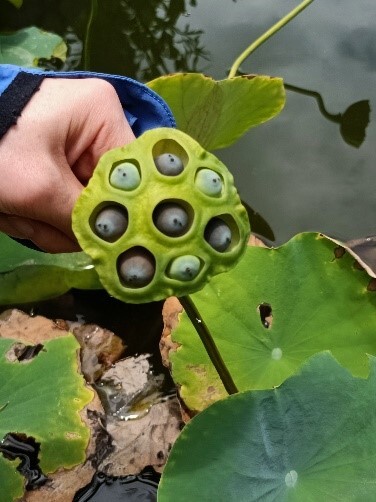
[217, 113]
[41, 398]
[317, 301]
[312, 439]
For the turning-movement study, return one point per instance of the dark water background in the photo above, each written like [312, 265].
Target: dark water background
[297, 171]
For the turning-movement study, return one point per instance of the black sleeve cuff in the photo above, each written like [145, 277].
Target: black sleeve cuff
[15, 97]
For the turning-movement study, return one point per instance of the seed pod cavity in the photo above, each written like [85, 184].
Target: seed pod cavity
[218, 234]
[136, 267]
[184, 268]
[125, 176]
[110, 222]
[172, 218]
[209, 182]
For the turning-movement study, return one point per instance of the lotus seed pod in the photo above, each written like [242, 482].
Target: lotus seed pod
[125, 176]
[184, 268]
[209, 182]
[171, 219]
[110, 223]
[179, 230]
[136, 267]
[218, 234]
[169, 164]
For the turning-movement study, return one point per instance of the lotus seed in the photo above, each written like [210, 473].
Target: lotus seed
[125, 176]
[111, 222]
[218, 234]
[171, 219]
[209, 182]
[184, 268]
[136, 267]
[169, 164]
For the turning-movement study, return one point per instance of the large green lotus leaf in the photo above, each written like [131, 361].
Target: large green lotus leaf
[11, 482]
[27, 275]
[42, 398]
[312, 440]
[217, 113]
[26, 46]
[318, 302]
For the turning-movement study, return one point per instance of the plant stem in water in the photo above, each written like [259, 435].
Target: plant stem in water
[209, 344]
[92, 15]
[276, 27]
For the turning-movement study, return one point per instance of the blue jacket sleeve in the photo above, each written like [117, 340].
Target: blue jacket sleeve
[143, 108]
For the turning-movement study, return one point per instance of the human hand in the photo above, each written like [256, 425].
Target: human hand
[47, 157]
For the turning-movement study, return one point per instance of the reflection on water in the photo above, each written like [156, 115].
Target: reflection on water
[353, 121]
[296, 171]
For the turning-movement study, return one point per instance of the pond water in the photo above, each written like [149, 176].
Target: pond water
[308, 169]
[297, 171]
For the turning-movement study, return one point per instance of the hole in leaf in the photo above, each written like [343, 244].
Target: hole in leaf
[27, 352]
[339, 252]
[266, 316]
[372, 285]
[23, 353]
[27, 450]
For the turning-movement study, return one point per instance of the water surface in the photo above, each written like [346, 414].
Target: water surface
[297, 171]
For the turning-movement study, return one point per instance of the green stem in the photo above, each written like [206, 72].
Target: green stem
[280, 24]
[209, 344]
[92, 15]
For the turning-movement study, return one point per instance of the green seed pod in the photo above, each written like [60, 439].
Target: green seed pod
[180, 228]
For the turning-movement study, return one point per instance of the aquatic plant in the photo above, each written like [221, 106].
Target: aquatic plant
[267, 325]
[160, 217]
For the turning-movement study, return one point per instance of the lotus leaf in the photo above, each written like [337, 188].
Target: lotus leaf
[218, 113]
[27, 46]
[27, 275]
[312, 439]
[41, 398]
[275, 309]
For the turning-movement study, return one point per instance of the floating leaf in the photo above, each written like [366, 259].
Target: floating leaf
[275, 309]
[354, 122]
[312, 439]
[11, 481]
[217, 113]
[25, 47]
[27, 275]
[43, 397]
